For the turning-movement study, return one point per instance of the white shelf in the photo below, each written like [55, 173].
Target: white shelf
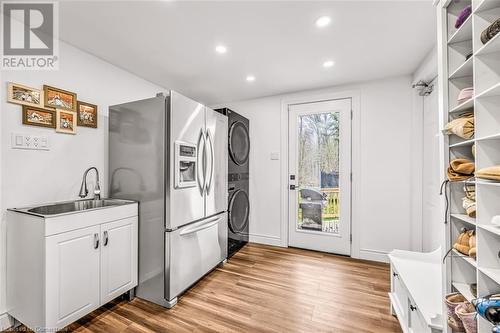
[492, 46]
[468, 104]
[486, 5]
[463, 143]
[466, 181]
[464, 218]
[463, 70]
[467, 259]
[487, 182]
[492, 91]
[463, 33]
[464, 289]
[492, 273]
[489, 137]
[491, 228]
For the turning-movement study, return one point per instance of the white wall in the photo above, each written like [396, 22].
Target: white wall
[384, 141]
[31, 177]
[426, 198]
[432, 218]
[428, 69]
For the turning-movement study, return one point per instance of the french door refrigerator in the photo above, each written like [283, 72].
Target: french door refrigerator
[170, 154]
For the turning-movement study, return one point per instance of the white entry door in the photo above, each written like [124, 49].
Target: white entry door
[320, 176]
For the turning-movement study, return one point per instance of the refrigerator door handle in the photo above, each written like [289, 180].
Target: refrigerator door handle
[212, 161]
[200, 169]
[196, 228]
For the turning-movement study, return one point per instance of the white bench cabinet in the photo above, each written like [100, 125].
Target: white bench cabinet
[416, 291]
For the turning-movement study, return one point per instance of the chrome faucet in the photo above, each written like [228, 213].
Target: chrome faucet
[97, 189]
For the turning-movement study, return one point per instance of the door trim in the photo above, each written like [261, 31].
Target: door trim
[288, 100]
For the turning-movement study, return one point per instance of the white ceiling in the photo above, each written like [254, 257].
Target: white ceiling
[172, 43]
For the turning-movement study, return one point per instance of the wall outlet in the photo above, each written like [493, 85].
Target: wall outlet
[28, 141]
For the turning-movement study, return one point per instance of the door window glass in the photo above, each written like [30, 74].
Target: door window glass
[318, 172]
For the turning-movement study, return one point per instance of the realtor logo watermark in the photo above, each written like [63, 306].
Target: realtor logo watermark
[30, 36]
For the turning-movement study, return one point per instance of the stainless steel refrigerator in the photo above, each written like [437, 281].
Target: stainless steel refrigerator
[170, 154]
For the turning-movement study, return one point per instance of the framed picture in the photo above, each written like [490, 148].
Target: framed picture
[39, 117]
[65, 121]
[87, 115]
[59, 99]
[19, 94]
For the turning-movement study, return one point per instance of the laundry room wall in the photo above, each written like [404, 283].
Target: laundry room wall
[383, 205]
[429, 217]
[30, 177]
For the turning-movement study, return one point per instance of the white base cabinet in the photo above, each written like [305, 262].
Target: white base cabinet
[416, 291]
[61, 268]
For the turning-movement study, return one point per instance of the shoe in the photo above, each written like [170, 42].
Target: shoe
[452, 301]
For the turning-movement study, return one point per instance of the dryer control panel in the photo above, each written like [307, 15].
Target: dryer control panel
[234, 177]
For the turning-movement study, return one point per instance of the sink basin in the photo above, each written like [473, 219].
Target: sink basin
[68, 207]
[72, 206]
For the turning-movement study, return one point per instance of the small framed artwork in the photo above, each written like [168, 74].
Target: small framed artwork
[19, 94]
[39, 117]
[59, 99]
[65, 121]
[87, 115]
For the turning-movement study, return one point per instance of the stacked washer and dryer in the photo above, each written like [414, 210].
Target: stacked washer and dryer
[238, 178]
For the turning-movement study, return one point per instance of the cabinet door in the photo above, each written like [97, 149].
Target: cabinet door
[118, 258]
[72, 275]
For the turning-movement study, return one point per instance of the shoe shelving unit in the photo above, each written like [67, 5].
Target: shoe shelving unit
[481, 71]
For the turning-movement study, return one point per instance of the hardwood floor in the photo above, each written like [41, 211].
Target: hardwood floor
[266, 289]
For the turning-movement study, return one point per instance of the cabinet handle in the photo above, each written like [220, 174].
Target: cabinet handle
[412, 308]
[106, 238]
[96, 241]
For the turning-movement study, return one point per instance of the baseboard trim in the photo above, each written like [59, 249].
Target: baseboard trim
[373, 255]
[267, 240]
[6, 321]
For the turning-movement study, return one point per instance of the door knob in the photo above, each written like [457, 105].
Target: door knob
[292, 187]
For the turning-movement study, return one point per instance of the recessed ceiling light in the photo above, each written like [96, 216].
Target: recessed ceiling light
[221, 49]
[250, 78]
[323, 21]
[328, 64]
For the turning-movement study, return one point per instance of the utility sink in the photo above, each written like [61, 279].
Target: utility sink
[85, 250]
[72, 206]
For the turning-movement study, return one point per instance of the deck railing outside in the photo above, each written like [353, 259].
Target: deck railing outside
[331, 211]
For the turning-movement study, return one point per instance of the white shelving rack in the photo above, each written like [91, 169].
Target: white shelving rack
[482, 71]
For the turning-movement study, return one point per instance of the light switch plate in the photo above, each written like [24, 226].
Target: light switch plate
[30, 142]
[275, 156]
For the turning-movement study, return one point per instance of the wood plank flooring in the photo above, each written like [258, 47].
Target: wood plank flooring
[265, 289]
